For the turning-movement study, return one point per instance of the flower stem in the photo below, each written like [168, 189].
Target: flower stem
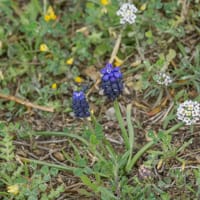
[39, 162]
[173, 128]
[59, 167]
[64, 134]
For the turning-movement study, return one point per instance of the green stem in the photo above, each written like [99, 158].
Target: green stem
[60, 167]
[139, 154]
[172, 129]
[4, 193]
[62, 134]
[130, 132]
[121, 123]
[39, 162]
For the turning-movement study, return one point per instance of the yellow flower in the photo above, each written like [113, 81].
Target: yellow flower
[44, 48]
[143, 7]
[118, 61]
[54, 86]
[47, 18]
[78, 79]
[105, 2]
[92, 113]
[50, 14]
[70, 61]
[13, 189]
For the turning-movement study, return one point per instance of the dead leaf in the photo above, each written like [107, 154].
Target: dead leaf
[182, 81]
[164, 102]
[172, 92]
[92, 73]
[136, 63]
[59, 156]
[197, 158]
[83, 30]
[154, 111]
[193, 93]
[110, 114]
[160, 163]
[140, 105]
[183, 166]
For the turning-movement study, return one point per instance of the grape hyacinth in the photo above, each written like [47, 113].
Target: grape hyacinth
[189, 112]
[80, 105]
[127, 13]
[111, 81]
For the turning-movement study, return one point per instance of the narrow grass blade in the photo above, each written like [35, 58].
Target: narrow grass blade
[130, 133]
[121, 124]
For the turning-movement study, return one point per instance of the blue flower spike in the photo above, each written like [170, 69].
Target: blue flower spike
[80, 105]
[111, 81]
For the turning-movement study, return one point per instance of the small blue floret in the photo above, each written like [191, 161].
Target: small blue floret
[80, 105]
[111, 81]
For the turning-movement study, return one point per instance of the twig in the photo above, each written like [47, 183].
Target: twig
[116, 48]
[186, 167]
[168, 110]
[29, 145]
[51, 141]
[44, 6]
[25, 103]
[120, 142]
[93, 87]
[184, 10]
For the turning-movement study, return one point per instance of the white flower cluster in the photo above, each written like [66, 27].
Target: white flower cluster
[127, 13]
[189, 112]
[163, 79]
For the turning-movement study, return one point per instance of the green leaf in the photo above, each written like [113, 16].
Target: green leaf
[43, 187]
[44, 170]
[93, 139]
[99, 131]
[88, 183]
[121, 123]
[106, 194]
[78, 172]
[33, 9]
[149, 34]
[54, 171]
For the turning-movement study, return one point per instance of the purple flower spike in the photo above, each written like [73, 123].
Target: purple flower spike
[111, 81]
[80, 105]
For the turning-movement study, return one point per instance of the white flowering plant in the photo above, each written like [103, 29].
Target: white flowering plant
[127, 13]
[162, 78]
[189, 112]
[50, 148]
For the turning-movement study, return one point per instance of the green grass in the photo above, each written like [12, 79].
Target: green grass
[133, 148]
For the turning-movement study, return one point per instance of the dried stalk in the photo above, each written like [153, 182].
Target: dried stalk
[25, 103]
